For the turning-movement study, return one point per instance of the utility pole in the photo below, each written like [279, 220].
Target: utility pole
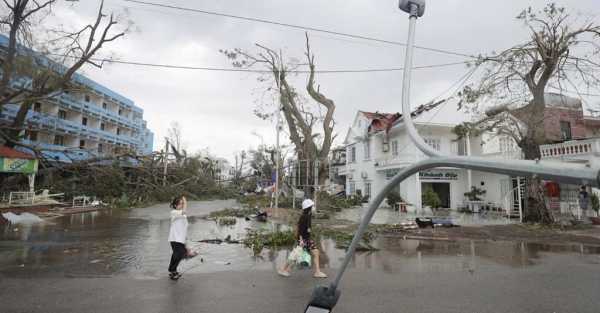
[278, 154]
[165, 157]
[316, 179]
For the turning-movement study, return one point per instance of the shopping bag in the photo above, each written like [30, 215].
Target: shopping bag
[305, 259]
[295, 256]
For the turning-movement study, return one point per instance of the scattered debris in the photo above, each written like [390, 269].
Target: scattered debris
[227, 221]
[233, 213]
[95, 261]
[424, 222]
[223, 262]
[23, 218]
[218, 241]
[259, 239]
[343, 238]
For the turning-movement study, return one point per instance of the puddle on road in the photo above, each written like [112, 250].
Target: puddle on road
[388, 216]
[100, 244]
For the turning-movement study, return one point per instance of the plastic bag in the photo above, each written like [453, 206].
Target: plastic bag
[295, 256]
[306, 258]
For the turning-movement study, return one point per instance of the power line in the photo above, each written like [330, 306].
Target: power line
[315, 29]
[247, 70]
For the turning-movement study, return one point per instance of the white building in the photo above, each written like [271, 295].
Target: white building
[378, 147]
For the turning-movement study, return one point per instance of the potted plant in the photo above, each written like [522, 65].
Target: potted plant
[393, 198]
[595, 201]
[474, 194]
[431, 199]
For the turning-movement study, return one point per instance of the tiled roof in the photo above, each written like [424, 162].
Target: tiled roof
[384, 121]
[10, 153]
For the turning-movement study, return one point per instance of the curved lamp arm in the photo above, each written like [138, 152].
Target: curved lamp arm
[324, 298]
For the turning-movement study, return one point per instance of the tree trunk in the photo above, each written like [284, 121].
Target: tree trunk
[18, 123]
[535, 210]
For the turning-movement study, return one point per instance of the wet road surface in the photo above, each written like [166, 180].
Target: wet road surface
[115, 261]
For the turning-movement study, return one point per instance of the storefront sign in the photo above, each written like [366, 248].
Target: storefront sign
[438, 175]
[18, 166]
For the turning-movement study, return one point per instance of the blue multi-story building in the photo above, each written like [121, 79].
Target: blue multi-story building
[91, 121]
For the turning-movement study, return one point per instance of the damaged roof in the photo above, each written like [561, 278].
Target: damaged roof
[11, 153]
[385, 121]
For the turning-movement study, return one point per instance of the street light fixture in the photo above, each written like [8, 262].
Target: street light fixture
[324, 298]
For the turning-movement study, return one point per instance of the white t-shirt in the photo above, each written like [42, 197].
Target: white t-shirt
[179, 225]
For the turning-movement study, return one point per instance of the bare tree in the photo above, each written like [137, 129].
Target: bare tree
[175, 135]
[302, 118]
[29, 75]
[563, 54]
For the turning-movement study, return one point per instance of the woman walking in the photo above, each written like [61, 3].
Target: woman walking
[178, 234]
[303, 235]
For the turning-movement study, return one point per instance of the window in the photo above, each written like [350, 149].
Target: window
[118, 131]
[462, 146]
[368, 189]
[351, 188]
[32, 135]
[507, 144]
[120, 112]
[104, 105]
[395, 148]
[102, 126]
[87, 98]
[100, 148]
[62, 114]
[565, 130]
[81, 144]
[84, 121]
[435, 143]
[367, 147]
[37, 107]
[59, 140]
[352, 154]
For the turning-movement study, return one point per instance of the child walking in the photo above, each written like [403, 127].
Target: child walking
[177, 235]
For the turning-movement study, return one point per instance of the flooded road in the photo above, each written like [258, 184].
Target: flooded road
[389, 216]
[134, 242]
[117, 244]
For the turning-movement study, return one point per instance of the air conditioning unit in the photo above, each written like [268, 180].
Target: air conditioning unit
[364, 175]
[386, 147]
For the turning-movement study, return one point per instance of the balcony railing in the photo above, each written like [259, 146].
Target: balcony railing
[93, 109]
[571, 149]
[506, 155]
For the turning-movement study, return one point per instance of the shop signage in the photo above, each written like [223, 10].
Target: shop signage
[438, 175]
[18, 166]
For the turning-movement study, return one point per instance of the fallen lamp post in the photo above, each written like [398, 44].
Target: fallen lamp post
[324, 298]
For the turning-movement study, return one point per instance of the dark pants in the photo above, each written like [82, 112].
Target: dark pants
[179, 253]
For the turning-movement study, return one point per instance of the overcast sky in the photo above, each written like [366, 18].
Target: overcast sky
[215, 109]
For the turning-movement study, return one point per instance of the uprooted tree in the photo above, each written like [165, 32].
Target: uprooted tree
[563, 54]
[126, 180]
[34, 69]
[302, 116]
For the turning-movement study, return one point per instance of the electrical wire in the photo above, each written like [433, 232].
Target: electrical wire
[247, 70]
[308, 28]
[456, 86]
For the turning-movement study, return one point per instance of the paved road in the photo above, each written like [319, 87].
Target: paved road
[545, 287]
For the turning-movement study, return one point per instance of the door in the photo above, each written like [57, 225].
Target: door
[441, 189]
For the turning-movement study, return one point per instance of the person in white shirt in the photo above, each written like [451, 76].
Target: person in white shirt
[177, 235]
